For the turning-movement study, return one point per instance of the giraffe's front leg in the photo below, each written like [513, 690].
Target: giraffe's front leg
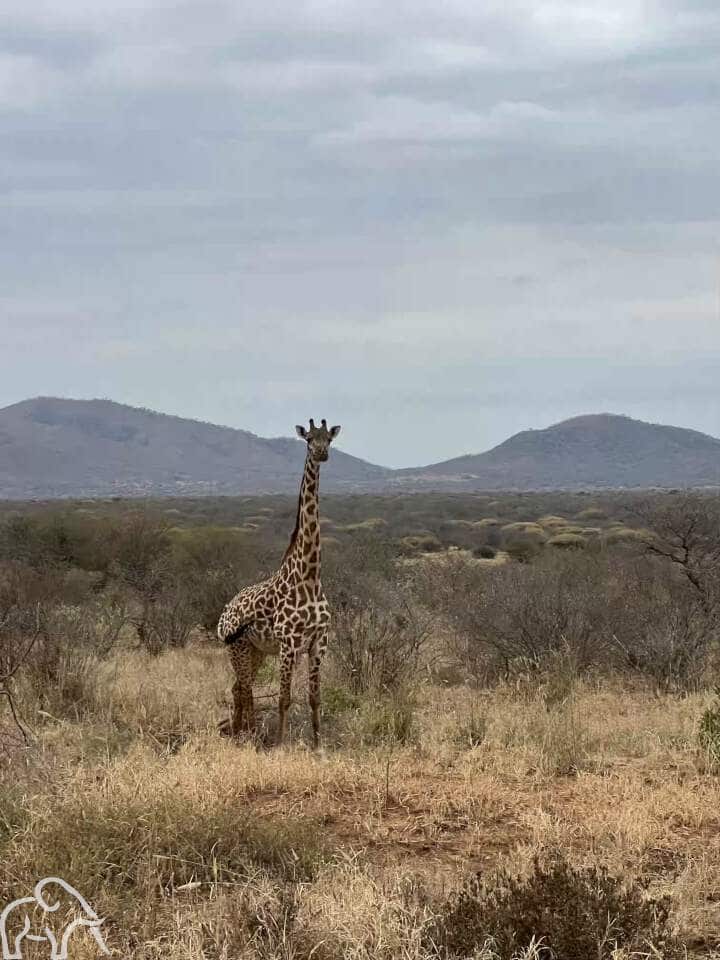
[287, 665]
[315, 658]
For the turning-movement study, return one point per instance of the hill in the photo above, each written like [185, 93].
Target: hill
[53, 447]
[599, 450]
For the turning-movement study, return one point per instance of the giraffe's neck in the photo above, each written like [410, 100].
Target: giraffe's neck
[302, 558]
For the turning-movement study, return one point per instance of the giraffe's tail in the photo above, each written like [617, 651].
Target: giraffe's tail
[236, 634]
[229, 632]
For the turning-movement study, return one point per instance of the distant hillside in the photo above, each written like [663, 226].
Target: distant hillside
[87, 448]
[600, 450]
[96, 448]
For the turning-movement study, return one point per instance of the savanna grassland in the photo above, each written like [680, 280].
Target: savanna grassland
[521, 729]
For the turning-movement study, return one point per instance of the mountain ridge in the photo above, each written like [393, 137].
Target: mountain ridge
[599, 450]
[54, 447]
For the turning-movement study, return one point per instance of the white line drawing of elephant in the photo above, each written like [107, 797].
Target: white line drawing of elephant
[58, 949]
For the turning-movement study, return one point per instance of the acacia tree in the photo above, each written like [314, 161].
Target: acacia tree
[141, 550]
[684, 529]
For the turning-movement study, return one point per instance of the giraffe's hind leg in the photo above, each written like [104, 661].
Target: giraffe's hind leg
[243, 716]
[232, 725]
[315, 658]
[257, 658]
[287, 665]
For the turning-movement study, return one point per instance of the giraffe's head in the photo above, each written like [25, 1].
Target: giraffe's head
[318, 439]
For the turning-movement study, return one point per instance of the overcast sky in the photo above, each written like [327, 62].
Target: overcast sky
[434, 223]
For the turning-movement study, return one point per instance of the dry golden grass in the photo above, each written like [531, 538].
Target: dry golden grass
[195, 847]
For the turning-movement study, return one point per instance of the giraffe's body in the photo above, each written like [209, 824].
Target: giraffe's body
[287, 614]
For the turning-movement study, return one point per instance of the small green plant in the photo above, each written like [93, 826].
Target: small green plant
[564, 742]
[709, 732]
[485, 552]
[387, 721]
[337, 700]
[471, 729]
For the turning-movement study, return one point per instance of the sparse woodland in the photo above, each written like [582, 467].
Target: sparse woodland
[521, 712]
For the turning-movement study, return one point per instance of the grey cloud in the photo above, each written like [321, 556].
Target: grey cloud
[486, 217]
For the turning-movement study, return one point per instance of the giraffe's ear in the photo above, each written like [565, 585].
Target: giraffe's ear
[334, 431]
[301, 432]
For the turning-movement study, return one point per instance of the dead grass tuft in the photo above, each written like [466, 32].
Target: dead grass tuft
[194, 847]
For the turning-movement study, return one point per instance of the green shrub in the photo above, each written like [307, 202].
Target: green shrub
[552, 521]
[522, 547]
[592, 513]
[569, 913]
[523, 541]
[420, 543]
[210, 565]
[387, 721]
[625, 535]
[524, 526]
[709, 732]
[568, 541]
[485, 552]
[337, 700]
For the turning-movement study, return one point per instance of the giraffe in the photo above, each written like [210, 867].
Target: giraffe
[288, 613]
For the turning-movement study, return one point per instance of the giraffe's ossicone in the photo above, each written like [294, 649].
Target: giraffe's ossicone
[287, 614]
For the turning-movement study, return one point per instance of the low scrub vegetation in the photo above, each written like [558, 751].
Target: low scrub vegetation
[521, 726]
[559, 912]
